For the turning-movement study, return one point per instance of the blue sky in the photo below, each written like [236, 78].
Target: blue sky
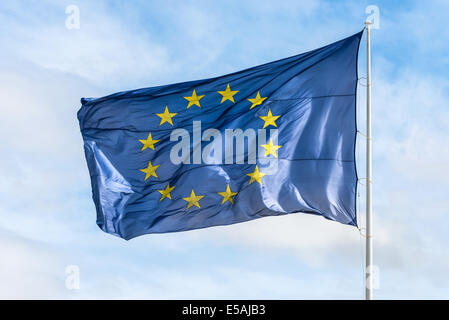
[47, 217]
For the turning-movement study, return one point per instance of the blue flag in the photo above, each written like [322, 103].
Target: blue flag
[274, 139]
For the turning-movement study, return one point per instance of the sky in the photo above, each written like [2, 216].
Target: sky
[47, 216]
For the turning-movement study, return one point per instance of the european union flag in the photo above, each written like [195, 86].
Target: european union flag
[274, 139]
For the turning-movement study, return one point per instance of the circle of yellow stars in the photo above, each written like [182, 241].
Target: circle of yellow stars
[193, 200]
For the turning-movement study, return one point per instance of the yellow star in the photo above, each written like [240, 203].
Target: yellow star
[193, 200]
[256, 101]
[256, 175]
[166, 116]
[194, 99]
[269, 119]
[148, 143]
[227, 195]
[227, 94]
[166, 192]
[270, 148]
[150, 170]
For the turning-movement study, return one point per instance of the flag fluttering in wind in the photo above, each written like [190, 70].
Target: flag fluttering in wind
[274, 139]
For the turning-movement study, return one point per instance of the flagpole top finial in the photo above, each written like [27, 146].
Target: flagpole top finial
[368, 23]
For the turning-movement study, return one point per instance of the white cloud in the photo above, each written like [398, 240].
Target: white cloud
[29, 270]
[103, 50]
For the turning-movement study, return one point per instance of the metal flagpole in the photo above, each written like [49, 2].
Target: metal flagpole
[369, 236]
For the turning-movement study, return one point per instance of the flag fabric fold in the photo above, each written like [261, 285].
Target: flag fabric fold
[274, 139]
